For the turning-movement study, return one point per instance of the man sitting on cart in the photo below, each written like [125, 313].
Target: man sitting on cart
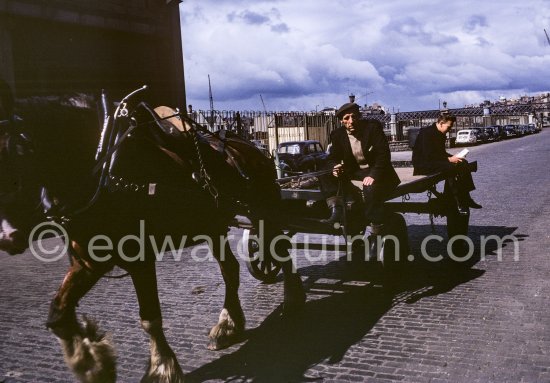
[430, 157]
[360, 151]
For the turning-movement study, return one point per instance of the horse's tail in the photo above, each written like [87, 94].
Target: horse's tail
[90, 354]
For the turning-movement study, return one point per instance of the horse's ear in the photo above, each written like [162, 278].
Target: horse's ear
[6, 100]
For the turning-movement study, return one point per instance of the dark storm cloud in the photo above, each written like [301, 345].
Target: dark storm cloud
[280, 28]
[414, 29]
[402, 53]
[474, 22]
[248, 17]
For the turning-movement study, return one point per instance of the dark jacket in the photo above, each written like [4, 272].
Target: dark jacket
[429, 155]
[375, 149]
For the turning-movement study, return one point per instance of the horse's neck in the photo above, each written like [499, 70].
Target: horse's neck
[65, 155]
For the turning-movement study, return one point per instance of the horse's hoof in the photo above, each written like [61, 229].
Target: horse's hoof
[215, 344]
[168, 371]
[225, 333]
[221, 337]
[90, 354]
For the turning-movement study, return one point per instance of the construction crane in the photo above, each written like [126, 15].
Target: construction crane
[211, 104]
[261, 98]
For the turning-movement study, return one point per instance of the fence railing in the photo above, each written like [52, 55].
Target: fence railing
[273, 128]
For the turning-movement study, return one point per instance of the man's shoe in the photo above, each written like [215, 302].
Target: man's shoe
[375, 240]
[336, 213]
[463, 210]
[473, 204]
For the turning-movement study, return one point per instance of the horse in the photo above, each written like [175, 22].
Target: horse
[165, 174]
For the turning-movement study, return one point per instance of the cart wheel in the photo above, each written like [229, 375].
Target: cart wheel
[261, 266]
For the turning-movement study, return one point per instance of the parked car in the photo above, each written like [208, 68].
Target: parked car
[301, 157]
[466, 137]
[491, 133]
[482, 137]
[521, 129]
[498, 131]
[532, 128]
[538, 127]
[510, 131]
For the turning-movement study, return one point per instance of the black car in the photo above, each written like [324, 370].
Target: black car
[481, 135]
[498, 131]
[522, 130]
[510, 131]
[491, 133]
[297, 157]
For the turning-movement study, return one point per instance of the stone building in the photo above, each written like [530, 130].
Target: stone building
[60, 46]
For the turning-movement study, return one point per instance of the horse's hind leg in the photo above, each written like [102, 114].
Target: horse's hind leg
[163, 365]
[231, 322]
[87, 352]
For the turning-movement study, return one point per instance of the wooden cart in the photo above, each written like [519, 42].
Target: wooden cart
[303, 208]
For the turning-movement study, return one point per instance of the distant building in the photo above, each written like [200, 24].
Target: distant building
[60, 46]
[328, 111]
[373, 109]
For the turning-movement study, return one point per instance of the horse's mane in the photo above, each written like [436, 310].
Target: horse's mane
[64, 130]
[75, 100]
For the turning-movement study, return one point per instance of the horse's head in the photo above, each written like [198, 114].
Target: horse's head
[19, 191]
[13, 151]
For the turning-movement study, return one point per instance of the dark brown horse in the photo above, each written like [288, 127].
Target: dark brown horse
[151, 177]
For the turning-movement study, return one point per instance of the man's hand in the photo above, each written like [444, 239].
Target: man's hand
[367, 181]
[338, 170]
[455, 159]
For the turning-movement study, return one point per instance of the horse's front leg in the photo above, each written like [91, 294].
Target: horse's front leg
[163, 365]
[231, 323]
[87, 352]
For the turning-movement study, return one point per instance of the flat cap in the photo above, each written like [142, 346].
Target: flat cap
[349, 107]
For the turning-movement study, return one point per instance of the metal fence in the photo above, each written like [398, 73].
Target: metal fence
[273, 128]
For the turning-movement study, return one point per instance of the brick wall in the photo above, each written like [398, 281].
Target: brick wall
[61, 46]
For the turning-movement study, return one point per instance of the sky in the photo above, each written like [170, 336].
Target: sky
[406, 55]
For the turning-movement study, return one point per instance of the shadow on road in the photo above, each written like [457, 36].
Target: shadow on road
[345, 302]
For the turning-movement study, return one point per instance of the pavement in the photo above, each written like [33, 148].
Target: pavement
[405, 155]
[402, 162]
[439, 321]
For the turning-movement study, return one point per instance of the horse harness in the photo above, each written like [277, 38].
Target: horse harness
[201, 175]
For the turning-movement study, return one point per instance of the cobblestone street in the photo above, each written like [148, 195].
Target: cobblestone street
[438, 323]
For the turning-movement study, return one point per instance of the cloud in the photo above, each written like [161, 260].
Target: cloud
[270, 18]
[410, 28]
[280, 28]
[474, 22]
[307, 53]
[248, 17]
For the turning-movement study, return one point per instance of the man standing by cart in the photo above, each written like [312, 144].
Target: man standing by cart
[360, 151]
